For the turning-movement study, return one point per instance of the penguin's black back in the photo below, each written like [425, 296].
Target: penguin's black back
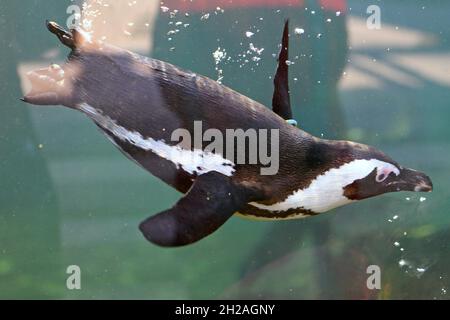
[156, 98]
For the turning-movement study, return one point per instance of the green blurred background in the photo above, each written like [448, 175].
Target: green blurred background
[68, 197]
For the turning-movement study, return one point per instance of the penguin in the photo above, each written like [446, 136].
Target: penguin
[137, 102]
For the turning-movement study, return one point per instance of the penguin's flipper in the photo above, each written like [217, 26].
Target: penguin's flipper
[281, 102]
[211, 201]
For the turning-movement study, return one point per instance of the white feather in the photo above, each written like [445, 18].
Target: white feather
[191, 161]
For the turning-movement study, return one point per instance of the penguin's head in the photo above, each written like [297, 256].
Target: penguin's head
[387, 177]
[344, 171]
[365, 172]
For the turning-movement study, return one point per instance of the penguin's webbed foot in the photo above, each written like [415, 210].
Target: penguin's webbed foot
[48, 86]
[54, 85]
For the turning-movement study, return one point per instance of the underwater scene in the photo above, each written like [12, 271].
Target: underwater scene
[75, 212]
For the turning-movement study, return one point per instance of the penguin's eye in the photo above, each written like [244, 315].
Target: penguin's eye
[383, 174]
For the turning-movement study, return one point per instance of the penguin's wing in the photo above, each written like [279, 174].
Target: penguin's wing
[281, 102]
[211, 201]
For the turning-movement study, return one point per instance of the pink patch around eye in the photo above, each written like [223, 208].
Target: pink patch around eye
[383, 174]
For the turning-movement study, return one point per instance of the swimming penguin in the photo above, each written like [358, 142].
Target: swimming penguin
[138, 102]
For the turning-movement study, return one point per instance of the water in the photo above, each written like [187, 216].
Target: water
[68, 197]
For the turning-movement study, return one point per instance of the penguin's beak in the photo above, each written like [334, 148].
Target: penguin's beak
[412, 180]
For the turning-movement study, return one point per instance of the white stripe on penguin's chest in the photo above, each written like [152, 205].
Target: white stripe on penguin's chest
[326, 191]
[191, 161]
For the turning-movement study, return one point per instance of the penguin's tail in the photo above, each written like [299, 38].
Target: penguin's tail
[75, 39]
[53, 85]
